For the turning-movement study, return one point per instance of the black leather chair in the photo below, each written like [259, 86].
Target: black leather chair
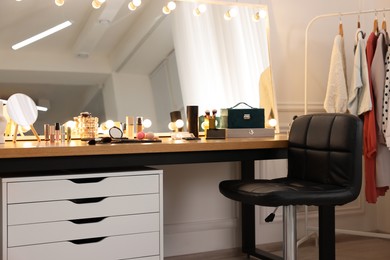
[324, 169]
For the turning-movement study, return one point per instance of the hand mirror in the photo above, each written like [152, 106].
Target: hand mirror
[23, 111]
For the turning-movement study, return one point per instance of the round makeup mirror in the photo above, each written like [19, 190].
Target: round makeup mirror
[23, 111]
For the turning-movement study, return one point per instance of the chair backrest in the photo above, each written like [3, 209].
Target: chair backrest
[327, 149]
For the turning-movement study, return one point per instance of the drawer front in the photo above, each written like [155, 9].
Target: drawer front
[40, 233]
[110, 248]
[34, 191]
[28, 213]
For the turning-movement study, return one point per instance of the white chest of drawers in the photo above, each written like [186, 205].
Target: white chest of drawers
[101, 216]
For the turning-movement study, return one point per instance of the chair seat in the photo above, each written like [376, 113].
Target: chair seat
[284, 192]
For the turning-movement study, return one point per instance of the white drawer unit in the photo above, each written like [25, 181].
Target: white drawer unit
[115, 215]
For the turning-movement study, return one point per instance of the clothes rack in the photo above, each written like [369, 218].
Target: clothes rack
[307, 227]
[327, 16]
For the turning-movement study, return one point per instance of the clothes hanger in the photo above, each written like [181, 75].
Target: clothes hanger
[358, 22]
[341, 31]
[375, 29]
[384, 24]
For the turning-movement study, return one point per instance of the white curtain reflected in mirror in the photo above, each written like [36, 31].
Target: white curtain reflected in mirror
[219, 61]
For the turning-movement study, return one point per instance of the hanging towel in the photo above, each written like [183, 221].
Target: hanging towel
[359, 100]
[336, 99]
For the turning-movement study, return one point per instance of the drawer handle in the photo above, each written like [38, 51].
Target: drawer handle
[87, 240]
[87, 200]
[87, 220]
[87, 180]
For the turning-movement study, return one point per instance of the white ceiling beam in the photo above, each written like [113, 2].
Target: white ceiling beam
[146, 23]
[98, 23]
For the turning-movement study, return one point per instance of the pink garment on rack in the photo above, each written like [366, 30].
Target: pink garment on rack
[370, 134]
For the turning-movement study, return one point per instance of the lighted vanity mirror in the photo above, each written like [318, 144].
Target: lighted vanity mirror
[23, 112]
[114, 63]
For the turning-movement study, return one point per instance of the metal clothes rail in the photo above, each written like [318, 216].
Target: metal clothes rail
[327, 16]
[307, 227]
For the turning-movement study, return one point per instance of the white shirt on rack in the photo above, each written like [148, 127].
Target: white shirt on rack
[336, 99]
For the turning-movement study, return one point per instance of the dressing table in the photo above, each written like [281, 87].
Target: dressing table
[25, 159]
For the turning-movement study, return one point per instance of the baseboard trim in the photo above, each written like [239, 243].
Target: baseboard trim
[201, 226]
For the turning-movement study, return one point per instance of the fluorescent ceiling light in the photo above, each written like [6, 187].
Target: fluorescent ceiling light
[42, 35]
[40, 108]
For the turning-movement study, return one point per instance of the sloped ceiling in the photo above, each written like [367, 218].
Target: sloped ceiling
[99, 42]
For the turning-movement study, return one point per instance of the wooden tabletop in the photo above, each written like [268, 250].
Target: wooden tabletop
[30, 149]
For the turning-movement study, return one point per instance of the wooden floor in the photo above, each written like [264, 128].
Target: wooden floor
[347, 248]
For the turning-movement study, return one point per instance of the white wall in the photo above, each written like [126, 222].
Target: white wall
[129, 95]
[288, 21]
[196, 217]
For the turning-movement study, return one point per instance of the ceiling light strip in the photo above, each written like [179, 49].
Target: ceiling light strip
[42, 35]
[40, 108]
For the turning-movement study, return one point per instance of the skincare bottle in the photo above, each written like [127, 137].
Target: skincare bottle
[62, 134]
[139, 124]
[52, 133]
[130, 127]
[3, 124]
[68, 134]
[57, 132]
[46, 132]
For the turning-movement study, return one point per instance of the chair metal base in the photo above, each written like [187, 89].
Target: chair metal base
[289, 233]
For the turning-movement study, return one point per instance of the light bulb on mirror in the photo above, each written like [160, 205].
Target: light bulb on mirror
[59, 2]
[137, 3]
[147, 123]
[70, 124]
[227, 16]
[200, 10]
[272, 122]
[166, 10]
[109, 124]
[131, 6]
[196, 12]
[101, 1]
[96, 4]
[256, 17]
[233, 12]
[179, 123]
[263, 13]
[171, 126]
[171, 5]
